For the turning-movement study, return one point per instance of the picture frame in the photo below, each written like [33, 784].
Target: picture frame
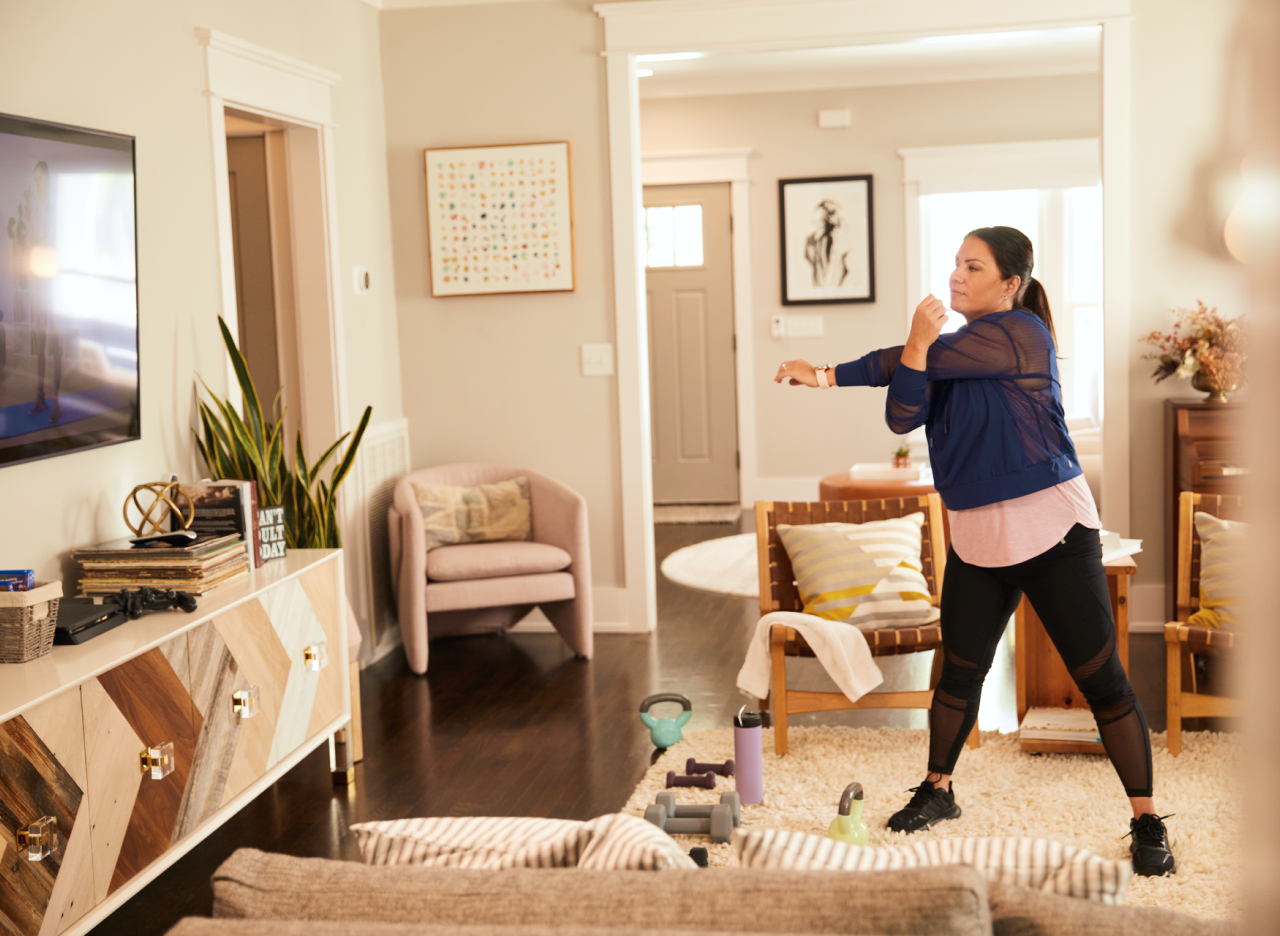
[500, 219]
[827, 241]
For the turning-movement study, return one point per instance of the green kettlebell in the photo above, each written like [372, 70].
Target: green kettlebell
[848, 826]
[665, 731]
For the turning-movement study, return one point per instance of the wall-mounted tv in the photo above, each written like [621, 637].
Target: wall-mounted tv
[68, 290]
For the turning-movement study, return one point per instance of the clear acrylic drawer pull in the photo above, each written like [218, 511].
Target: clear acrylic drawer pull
[244, 703]
[38, 837]
[158, 760]
[316, 656]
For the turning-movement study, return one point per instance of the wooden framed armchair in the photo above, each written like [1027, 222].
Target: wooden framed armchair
[1183, 641]
[778, 592]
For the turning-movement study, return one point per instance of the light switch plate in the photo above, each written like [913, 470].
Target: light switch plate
[805, 326]
[778, 326]
[834, 119]
[597, 360]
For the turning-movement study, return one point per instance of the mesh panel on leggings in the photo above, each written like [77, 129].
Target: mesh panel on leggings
[1121, 723]
[949, 726]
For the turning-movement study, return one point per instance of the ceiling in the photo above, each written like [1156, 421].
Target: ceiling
[920, 61]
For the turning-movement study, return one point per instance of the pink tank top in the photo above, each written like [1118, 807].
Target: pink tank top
[1012, 531]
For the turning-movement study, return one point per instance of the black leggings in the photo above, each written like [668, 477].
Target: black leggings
[1067, 586]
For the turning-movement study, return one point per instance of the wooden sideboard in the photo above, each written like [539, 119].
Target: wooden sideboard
[77, 725]
[1202, 454]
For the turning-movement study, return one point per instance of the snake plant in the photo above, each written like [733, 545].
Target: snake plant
[247, 446]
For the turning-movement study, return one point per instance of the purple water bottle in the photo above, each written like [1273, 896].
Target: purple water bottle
[748, 756]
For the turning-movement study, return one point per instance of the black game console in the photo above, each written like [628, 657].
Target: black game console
[81, 619]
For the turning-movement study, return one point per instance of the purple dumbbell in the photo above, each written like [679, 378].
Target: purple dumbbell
[706, 781]
[724, 770]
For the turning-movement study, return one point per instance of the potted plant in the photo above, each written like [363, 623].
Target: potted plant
[246, 447]
[902, 457]
[1203, 346]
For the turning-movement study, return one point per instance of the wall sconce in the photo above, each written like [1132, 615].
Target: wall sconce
[244, 703]
[158, 760]
[38, 837]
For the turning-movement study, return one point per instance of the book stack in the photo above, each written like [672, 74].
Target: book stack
[1059, 724]
[198, 568]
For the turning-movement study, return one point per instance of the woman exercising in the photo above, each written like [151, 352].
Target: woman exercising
[1022, 517]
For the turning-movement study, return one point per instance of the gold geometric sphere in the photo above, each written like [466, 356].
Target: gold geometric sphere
[164, 498]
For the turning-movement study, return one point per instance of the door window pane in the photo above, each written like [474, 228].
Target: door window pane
[1084, 212]
[673, 236]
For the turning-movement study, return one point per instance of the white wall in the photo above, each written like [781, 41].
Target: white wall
[804, 434]
[1180, 65]
[496, 378]
[140, 71]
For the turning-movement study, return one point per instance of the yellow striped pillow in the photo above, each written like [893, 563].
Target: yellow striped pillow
[1221, 570]
[868, 574]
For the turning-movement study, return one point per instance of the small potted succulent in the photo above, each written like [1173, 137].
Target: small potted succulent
[902, 457]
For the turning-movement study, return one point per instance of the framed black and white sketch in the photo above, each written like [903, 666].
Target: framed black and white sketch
[827, 254]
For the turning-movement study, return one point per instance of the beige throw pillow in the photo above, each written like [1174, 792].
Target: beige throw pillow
[485, 513]
[868, 574]
[1040, 864]
[1222, 569]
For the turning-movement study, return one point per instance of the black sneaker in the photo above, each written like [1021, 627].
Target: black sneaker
[1150, 846]
[929, 806]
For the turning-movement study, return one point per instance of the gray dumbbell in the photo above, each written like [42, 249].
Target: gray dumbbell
[716, 820]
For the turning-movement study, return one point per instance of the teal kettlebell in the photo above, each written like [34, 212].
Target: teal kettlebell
[848, 825]
[665, 731]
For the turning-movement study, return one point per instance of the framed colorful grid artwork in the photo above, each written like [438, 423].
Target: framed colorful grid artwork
[499, 219]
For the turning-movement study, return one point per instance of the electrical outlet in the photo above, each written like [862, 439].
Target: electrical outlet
[597, 360]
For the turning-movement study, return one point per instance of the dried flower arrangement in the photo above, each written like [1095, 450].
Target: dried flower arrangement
[1204, 346]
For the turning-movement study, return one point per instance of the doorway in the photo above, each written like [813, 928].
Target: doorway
[689, 293]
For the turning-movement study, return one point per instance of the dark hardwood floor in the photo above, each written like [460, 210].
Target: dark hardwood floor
[514, 725]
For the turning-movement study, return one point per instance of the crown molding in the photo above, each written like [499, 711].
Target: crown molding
[221, 42]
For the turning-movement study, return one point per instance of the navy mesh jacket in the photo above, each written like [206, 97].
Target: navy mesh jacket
[991, 405]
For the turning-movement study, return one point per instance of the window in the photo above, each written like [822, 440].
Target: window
[673, 236]
[1065, 228]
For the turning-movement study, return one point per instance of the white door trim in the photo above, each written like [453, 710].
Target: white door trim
[694, 167]
[633, 28]
[258, 80]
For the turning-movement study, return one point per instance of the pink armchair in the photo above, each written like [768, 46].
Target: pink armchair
[485, 587]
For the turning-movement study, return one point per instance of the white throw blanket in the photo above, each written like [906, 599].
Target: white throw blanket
[839, 646]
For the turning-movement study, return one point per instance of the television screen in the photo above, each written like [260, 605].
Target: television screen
[68, 290]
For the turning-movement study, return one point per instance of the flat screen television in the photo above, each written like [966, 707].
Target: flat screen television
[68, 290]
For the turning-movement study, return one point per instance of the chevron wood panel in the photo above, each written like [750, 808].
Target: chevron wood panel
[215, 676]
[263, 662]
[33, 784]
[321, 587]
[296, 624]
[152, 698]
[111, 756]
[60, 725]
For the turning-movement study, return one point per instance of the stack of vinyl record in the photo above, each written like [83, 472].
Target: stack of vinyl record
[198, 568]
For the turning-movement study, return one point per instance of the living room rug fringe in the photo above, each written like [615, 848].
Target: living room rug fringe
[1074, 798]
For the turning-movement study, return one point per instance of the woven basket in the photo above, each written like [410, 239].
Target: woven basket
[27, 620]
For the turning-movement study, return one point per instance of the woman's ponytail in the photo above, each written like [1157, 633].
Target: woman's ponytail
[1013, 255]
[1035, 301]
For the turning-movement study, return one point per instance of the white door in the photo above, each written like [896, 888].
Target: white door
[689, 281]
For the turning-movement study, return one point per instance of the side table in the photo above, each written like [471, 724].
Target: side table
[1043, 680]
[843, 487]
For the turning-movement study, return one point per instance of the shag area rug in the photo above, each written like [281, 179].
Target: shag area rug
[726, 565]
[1073, 798]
